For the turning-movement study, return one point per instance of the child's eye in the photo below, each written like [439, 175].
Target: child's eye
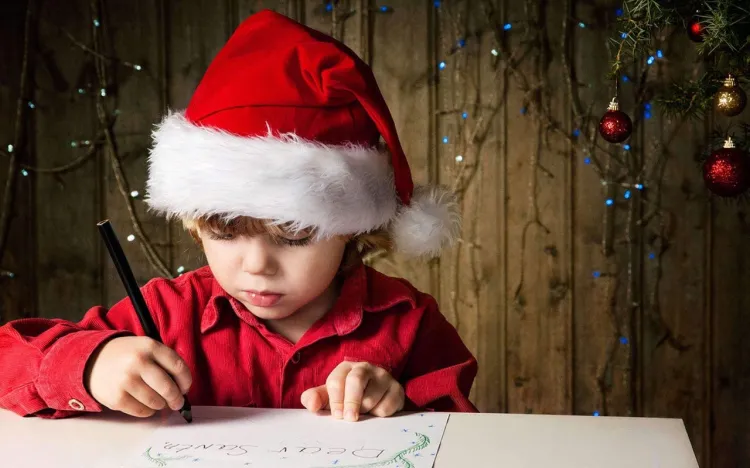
[224, 237]
[295, 242]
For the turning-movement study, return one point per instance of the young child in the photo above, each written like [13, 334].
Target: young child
[276, 170]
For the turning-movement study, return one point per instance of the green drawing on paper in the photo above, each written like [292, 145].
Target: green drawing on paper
[399, 457]
[160, 460]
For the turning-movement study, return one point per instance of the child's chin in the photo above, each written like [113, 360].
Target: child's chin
[270, 313]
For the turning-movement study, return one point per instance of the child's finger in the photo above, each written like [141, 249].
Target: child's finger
[391, 403]
[171, 362]
[315, 399]
[161, 382]
[374, 392]
[335, 387]
[144, 394]
[354, 389]
[128, 404]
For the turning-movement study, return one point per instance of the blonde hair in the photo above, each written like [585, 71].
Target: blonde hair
[359, 248]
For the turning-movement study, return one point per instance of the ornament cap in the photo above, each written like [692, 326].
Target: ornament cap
[614, 105]
[729, 143]
[730, 81]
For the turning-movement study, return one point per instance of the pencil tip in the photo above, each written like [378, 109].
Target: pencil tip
[188, 415]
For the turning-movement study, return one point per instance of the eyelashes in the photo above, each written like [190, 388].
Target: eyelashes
[294, 242]
[277, 240]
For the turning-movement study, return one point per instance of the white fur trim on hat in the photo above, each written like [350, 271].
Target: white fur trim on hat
[430, 222]
[197, 171]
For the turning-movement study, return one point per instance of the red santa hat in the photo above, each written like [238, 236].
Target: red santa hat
[285, 126]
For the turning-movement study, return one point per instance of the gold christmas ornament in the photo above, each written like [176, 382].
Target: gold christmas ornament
[730, 100]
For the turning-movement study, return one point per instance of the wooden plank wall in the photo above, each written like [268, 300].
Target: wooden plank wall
[570, 305]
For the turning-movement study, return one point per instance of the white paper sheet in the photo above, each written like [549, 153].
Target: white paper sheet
[221, 438]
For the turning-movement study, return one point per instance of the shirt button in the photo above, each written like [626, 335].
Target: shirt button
[75, 404]
[296, 357]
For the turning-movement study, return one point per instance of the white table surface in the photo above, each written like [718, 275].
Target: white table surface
[470, 440]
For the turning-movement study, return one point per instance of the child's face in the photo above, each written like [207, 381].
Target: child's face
[273, 278]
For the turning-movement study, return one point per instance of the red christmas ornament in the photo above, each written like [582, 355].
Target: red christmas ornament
[615, 126]
[727, 171]
[695, 30]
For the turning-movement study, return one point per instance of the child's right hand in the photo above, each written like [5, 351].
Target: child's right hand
[137, 375]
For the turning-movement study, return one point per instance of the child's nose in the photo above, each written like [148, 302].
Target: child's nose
[258, 257]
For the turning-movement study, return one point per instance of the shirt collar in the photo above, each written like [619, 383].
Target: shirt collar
[363, 290]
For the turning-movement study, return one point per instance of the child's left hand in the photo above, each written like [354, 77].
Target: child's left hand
[354, 388]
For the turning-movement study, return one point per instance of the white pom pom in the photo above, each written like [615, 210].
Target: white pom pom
[429, 223]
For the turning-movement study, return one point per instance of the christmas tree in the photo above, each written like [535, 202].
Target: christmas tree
[720, 30]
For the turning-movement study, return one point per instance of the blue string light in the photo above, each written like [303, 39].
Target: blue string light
[647, 115]
[609, 202]
[651, 60]
[97, 23]
[465, 115]
[627, 194]
[445, 139]
[576, 132]
[31, 105]
[523, 110]
[24, 172]
[625, 78]
[639, 186]
[619, 12]
[624, 35]
[596, 413]
[587, 161]
[597, 274]
[441, 65]
[436, 3]
[385, 9]
[329, 6]
[647, 106]
[507, 26]
[10, 148]
[626, 147]
[623, 340]
[659, 53]
[461, 42]
[652, 255]
[582, 25]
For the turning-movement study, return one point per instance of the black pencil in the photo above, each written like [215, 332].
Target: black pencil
[134, 293]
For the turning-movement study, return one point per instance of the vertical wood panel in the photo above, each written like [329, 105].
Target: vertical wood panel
[595, 337]
[404, 79]
[471, 104]
[674, 293]
[317, 17]
[487, 236]
[537, 294]
[246, 8]
[730, 269]
[196, 32]
[68, 204]
[456, 90]
[135, 36]
[17, 292]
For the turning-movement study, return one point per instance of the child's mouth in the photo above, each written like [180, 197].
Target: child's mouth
[262, 298]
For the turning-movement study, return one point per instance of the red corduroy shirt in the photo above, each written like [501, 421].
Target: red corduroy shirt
[234, 359]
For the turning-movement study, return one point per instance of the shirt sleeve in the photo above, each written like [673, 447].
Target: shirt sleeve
[440, 369]
[42, 361]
